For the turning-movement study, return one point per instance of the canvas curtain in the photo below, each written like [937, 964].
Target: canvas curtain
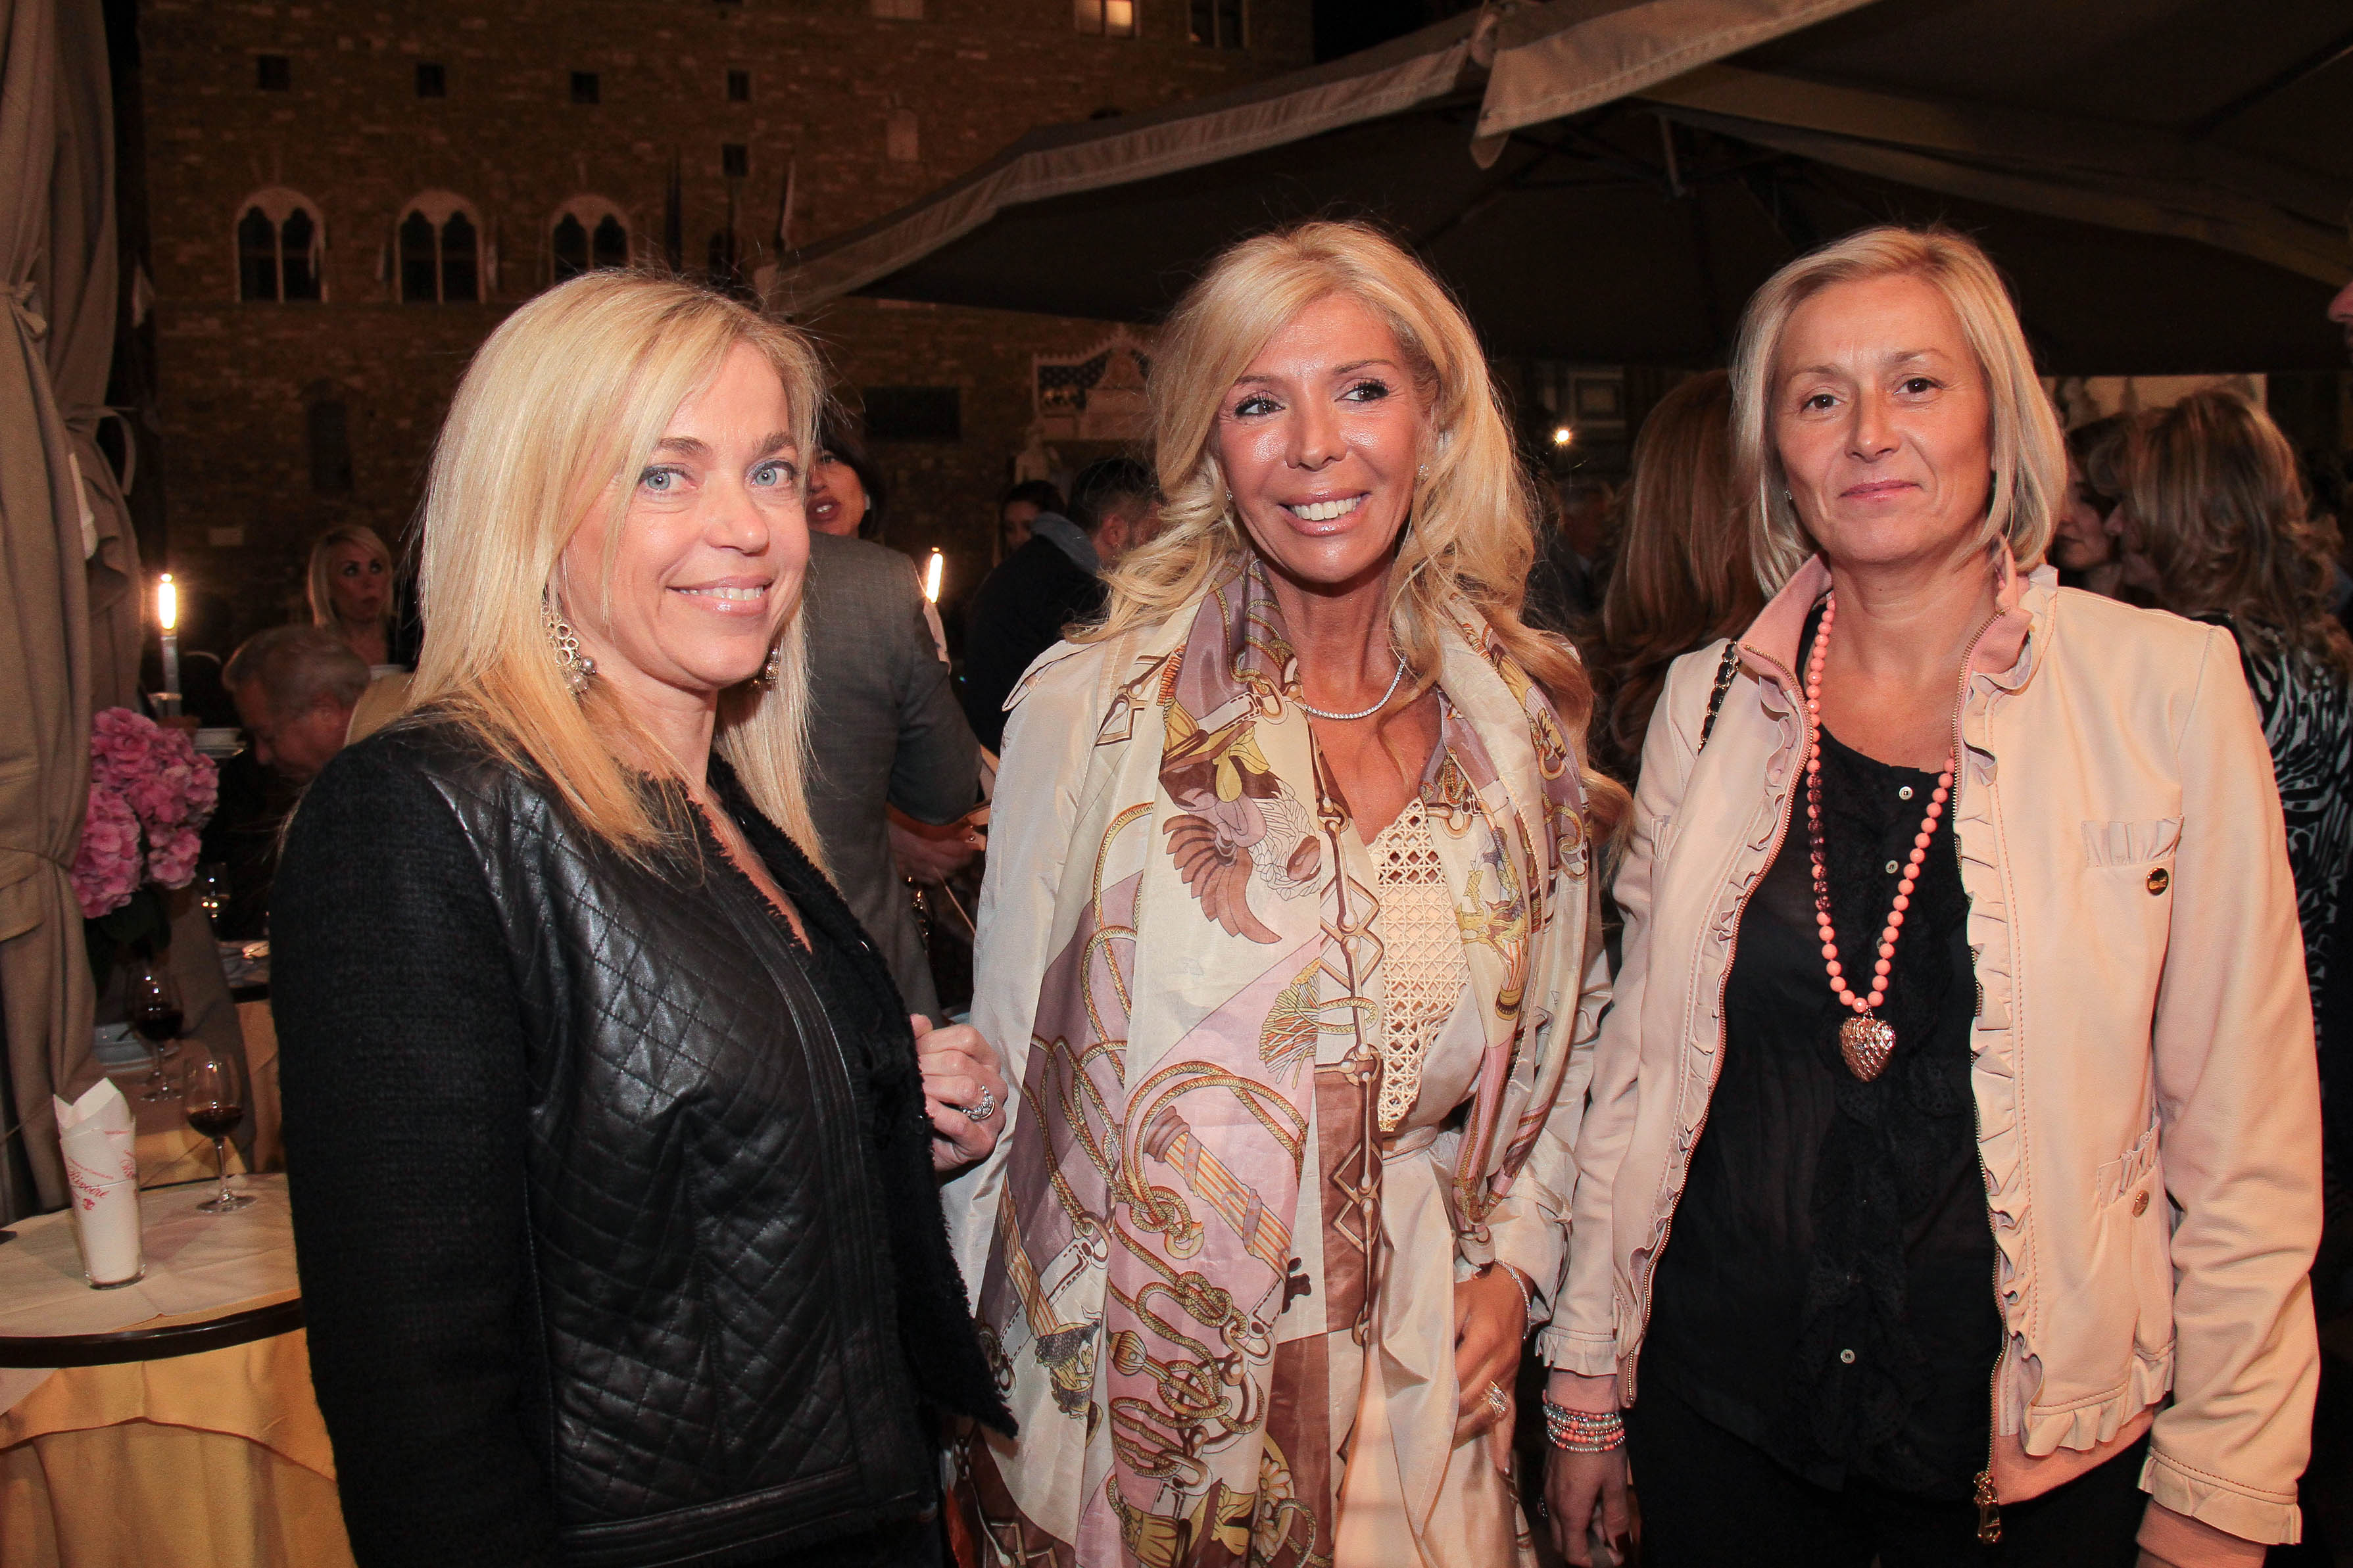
[45, 663]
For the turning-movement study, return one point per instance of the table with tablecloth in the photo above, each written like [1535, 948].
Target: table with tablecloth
[176, 1450]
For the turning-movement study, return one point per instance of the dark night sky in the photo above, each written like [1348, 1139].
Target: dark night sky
[1343, 26]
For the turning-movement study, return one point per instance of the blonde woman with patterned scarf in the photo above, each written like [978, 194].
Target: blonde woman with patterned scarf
[1287, 939]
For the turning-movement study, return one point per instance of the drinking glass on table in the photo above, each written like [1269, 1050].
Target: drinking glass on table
[212, 891]
[212, 1096]
[153, 1006]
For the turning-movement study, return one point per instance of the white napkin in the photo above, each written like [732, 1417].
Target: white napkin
[99, 1136]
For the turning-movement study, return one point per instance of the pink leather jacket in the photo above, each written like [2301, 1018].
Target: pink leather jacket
[2147, 1096]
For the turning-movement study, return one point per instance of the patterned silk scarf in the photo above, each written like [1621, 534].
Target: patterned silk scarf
[1186, 1236]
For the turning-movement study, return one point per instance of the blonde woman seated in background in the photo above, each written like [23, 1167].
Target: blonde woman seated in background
[614, 1151]
[1288, 935]
[349, 589]
[1953, 1163]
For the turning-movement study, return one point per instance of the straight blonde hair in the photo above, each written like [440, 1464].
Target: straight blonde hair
[559, 411]
[1684, 572]
[2029, 454]
[1468, 541]
[320, 588]
[2214, 490]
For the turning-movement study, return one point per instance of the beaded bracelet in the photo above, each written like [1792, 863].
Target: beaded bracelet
[1583, 1431]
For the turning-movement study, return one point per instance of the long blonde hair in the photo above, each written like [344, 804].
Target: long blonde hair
[320, 585]
[560, 409]
[2213, 488]
[2029, 454]
[1468, 541]
[1684, 572]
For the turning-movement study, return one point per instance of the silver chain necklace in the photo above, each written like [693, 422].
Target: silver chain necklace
[1363, 712]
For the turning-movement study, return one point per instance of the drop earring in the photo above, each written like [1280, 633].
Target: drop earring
[773, 669]
[577, 668]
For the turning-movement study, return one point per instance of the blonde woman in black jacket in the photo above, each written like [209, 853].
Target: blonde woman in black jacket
[614, 1146]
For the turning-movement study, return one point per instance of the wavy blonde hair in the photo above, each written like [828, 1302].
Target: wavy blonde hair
[319, 585]
[1468, 541]
[558, 413]
[2029, 454]
[1684, 574]
[2214, 490]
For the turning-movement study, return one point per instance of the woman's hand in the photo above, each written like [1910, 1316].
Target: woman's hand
[1491, 1320]
[1578, 1488]
[932, 854]
[960, 1075]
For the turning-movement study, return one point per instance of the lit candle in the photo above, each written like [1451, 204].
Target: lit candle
[931, 570]
[167, 616]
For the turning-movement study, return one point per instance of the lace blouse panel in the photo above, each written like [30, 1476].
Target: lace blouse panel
[1422, 968]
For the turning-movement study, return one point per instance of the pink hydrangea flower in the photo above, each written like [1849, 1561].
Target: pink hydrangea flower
[172, 863]
[107, 866]
[149, 794]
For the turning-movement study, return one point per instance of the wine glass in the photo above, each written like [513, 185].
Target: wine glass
[153, 1010]
[212, 1096]
[212, 891]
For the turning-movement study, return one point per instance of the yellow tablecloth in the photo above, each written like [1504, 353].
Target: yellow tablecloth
[213, 1460]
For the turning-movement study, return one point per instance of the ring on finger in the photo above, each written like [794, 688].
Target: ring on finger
[1496, 1400]
[984, 1110]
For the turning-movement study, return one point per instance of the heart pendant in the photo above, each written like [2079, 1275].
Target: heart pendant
[1866, 1043]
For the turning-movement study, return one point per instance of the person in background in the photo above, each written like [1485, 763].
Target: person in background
[1019, 507]
[1684, 576]
[299, 691]
[847, 490]
[1565, 585]
[884, 726]
[1122, 502]
[351, 591]
[614, 1150]
[2084, 533]
[2213, 501]
[1952, 1169]
[1052, 582]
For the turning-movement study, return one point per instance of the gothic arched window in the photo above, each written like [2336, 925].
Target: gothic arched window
[442, 256]
[587, 232]
[280, 248]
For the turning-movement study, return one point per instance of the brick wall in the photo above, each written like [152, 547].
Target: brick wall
[349, 133]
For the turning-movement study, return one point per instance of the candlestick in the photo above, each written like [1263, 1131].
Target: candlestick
[167, 616]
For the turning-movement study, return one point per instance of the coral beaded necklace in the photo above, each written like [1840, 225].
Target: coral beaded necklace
[1865, 1040]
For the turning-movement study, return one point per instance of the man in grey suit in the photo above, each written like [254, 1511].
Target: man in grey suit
[884, 729]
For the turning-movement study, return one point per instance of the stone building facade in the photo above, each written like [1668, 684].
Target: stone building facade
[345, 197]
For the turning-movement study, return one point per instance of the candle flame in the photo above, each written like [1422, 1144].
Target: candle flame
[931, 571]
[167, 602]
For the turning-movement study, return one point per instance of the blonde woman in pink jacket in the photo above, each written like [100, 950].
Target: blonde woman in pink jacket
[1952, 1165]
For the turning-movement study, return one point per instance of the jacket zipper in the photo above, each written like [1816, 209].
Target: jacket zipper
[1724, 981]
[1982, 1487]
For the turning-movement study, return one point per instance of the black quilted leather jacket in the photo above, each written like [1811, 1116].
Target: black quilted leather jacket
[737, 1293]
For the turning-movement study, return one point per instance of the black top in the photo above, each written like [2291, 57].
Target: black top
[1827, 1290]
[1018, 613]
[589, 1236]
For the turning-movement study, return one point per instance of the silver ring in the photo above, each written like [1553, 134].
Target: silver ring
[1497, 1402]
[984, 1110]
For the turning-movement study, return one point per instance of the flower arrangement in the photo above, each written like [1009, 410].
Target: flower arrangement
[150, 794]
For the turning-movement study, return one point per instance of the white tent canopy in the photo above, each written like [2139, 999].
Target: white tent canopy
[1608, 181]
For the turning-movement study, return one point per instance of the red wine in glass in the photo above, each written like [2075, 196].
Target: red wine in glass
[153, 1004]
[215, 1120]
[157, 1025]
[213, 1098]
